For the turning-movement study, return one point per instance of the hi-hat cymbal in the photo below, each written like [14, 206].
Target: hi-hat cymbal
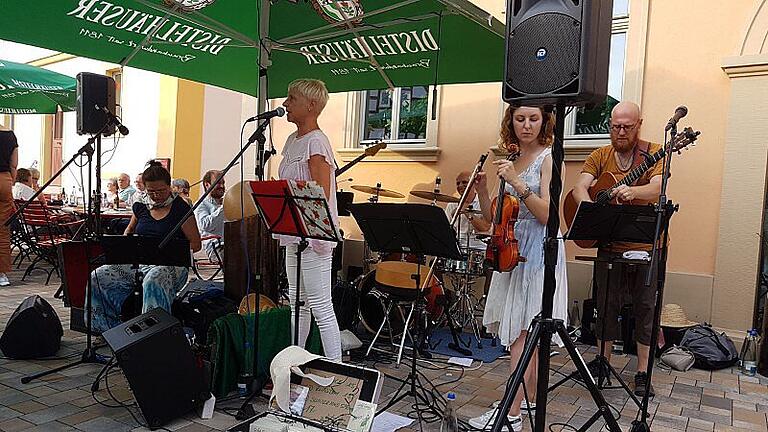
[372, 190]
[434, 196]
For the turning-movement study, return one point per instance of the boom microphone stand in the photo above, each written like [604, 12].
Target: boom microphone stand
[545, 326]
[246, 410]
[94, 223]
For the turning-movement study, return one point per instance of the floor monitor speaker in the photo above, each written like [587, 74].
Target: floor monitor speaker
[33, 331]
[157, 360]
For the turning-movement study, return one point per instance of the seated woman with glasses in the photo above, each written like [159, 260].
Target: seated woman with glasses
[155, 217]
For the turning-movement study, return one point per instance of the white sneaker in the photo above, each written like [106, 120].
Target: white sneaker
[528, 406]
[485, 421]
[4, 280]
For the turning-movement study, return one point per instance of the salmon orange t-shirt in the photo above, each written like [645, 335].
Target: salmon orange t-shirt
[603, 160]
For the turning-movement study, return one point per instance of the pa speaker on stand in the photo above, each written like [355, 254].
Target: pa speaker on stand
[94, 91]
[557, 51]
[557, 54]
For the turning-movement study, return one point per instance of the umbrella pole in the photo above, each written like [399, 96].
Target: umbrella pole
[246, 409]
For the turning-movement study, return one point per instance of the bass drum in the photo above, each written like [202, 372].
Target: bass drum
[372, 308]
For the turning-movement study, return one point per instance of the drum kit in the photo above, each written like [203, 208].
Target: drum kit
[387, 282]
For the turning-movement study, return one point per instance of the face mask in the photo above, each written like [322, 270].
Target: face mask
[152, 204]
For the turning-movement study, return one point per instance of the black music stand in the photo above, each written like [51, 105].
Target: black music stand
[418, 229]
[608, 223]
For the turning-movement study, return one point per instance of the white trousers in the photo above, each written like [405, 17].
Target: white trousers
[316, 295]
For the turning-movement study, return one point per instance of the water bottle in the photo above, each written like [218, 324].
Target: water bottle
[743, 351]
[575, 316]
[73, 196]
[449, 422]
[749, 361]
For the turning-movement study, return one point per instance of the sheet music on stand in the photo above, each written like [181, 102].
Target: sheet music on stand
[312, 218]
[420, 229]
[607, 223]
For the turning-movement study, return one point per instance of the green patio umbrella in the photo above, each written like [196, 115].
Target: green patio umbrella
[350, 44]
[26, 89]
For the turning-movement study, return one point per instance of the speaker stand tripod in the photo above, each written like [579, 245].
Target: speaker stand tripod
[89, 355]
[545, 326]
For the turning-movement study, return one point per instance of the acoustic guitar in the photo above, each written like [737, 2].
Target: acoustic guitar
[601, 189]
[344, 198]
[370, 151]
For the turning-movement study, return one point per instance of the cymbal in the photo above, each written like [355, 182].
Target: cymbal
[372, 190]
[433, 196]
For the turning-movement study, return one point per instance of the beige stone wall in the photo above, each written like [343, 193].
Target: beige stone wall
[675, 55]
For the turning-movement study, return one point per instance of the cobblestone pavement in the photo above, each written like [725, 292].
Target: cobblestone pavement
[692, 401]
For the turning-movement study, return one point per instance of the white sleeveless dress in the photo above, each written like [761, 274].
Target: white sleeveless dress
[514, 298]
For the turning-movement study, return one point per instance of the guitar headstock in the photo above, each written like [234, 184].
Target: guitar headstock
[685, 138]
[372, 150]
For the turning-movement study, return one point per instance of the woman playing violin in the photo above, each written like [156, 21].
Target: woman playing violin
[514, 298]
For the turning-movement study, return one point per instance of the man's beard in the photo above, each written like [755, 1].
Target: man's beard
[623, 146]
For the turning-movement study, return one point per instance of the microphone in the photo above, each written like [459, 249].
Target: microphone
[277, 112]
[116, 121]
[680, 112]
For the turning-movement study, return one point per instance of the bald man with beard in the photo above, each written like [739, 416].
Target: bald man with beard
[625, 152]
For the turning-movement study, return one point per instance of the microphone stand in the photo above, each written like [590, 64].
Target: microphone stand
[246, 410]
[258, 134]
[664, 210]
[94, 222]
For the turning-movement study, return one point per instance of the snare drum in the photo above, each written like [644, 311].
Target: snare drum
[472, 263]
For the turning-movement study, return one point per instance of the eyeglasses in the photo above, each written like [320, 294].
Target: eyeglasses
[156, 192]
[627, 128]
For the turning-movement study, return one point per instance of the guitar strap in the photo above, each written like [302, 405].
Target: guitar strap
[640, 155]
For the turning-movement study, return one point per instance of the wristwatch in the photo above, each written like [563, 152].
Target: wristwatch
[526, 193]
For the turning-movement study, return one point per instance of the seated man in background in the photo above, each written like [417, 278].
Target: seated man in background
[180, 187]
[22, 189]
[125, 190]
[140, 195]
[210, 216]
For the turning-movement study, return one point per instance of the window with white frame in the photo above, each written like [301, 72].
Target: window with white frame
[593, 123]
[398, 116]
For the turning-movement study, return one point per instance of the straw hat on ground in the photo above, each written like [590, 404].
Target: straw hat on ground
[673, 315]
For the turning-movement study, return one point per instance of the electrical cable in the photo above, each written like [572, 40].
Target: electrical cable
[119, 404]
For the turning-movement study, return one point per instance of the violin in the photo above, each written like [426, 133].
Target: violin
[503, 253]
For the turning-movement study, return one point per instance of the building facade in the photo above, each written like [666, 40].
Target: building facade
[708, 55]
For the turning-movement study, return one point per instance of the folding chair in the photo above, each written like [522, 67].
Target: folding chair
[44, 232]
[206, 263]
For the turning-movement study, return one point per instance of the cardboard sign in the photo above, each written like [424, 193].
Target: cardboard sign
[332, 404]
